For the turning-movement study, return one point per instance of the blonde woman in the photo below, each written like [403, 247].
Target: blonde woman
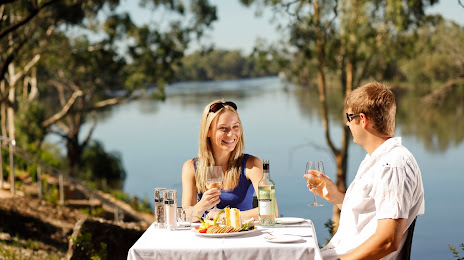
[221, 144]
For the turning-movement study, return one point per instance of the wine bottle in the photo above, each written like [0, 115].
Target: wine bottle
[266, 197]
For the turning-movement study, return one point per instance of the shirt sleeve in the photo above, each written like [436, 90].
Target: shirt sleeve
[393, 192]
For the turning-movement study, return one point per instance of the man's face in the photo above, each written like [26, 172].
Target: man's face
[354, 126]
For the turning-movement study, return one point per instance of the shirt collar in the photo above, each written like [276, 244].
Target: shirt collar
[385, 147]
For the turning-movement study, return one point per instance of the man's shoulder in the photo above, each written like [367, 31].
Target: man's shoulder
[399, 156]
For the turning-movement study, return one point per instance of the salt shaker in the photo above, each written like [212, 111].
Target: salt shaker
[170, 206]
[159, 208]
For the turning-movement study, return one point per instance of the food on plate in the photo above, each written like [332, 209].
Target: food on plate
[233, 218]
[249, 224]
[233, 223]
[222, 229]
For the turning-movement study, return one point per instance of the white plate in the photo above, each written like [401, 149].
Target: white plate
[282, 239]
[289, 220]
[233, 234]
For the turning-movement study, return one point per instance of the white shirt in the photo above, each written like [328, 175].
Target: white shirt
[388, 184]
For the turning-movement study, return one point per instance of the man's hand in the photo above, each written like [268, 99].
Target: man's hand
[328, 190]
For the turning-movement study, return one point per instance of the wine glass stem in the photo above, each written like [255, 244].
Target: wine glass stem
[315, 202]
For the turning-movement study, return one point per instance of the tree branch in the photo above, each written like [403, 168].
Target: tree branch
[10, 58]
[109, 102]
[438, 94]
[60, 88]
[89, 134]
[27, 19]
[63, 127]
[64, 111]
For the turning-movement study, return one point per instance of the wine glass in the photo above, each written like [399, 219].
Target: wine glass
[312, 179]
[214, 180]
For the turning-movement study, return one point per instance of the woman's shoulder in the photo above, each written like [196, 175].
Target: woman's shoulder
[253, 161]
[189, 165]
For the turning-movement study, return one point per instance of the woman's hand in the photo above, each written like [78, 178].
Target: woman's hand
[210, 199]
[328, 190]
[212, 214]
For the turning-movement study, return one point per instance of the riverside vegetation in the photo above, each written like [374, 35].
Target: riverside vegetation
[52, 82]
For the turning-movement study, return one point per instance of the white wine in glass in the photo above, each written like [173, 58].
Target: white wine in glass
[214, 179]
[312, 179]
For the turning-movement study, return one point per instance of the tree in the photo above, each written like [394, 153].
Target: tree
[156, 52]
[78, 70]
[344, 37]
[79, 80]
[101, 167]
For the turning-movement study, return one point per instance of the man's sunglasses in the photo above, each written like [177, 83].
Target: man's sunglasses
[350, 117]
[218, 106]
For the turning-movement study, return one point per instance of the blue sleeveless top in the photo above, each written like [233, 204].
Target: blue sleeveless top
[241, 197]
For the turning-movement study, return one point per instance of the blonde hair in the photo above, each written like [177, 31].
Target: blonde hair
[205, 154]
[377, 102]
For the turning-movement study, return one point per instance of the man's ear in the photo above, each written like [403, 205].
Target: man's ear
[364, 120]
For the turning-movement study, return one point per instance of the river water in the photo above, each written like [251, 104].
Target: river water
[281, 123]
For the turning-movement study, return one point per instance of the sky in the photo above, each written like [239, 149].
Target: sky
[238, 27]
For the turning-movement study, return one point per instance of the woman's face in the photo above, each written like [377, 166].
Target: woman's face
[224, 131]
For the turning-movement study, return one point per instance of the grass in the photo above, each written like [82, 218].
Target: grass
[20, 249]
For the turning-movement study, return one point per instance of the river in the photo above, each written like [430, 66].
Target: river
[281, 123]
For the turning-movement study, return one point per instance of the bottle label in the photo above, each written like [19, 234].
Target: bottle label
[265, 207]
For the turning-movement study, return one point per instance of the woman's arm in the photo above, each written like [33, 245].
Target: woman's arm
[253, 172]
[189, 192]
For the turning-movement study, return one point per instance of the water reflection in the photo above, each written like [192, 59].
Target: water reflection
[283, 123]
[438, 125]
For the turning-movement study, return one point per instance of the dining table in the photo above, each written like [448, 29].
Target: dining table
[286, 240]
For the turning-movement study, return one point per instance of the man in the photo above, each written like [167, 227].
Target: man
[387, 193]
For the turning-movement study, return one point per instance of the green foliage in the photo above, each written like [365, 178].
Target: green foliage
[48, 153]
[51, 192]
[436, 56]
[8, 253]
[134, 202]
[12, 250]
[456, 252]
[224, 64]
[330, 225]
[103, 168]
[95, 212]
[418, 118]
[28, 124]
[83, 242]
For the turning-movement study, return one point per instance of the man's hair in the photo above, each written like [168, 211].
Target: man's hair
[377, 102]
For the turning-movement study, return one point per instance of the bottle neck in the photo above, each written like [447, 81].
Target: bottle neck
[266, 180]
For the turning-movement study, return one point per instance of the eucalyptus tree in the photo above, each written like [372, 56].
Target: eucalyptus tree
[436, 67]
[156, 49]
[25, 28]
[348, 39]
[75, 75]
[77, 70]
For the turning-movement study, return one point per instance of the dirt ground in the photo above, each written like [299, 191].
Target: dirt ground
[34, 229]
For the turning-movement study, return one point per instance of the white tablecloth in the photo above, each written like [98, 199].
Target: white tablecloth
[184, 244]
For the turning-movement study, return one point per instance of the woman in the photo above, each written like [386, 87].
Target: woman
[221, 144]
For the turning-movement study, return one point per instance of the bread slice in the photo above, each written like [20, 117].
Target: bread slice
[233, 218]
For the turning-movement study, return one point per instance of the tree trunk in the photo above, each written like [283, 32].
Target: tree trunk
[11, 113]
[74, 153]
[340, 155]
[3, 111]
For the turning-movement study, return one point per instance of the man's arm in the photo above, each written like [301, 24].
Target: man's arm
[386, 239]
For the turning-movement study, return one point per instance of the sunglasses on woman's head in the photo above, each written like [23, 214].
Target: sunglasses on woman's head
[217, 106]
